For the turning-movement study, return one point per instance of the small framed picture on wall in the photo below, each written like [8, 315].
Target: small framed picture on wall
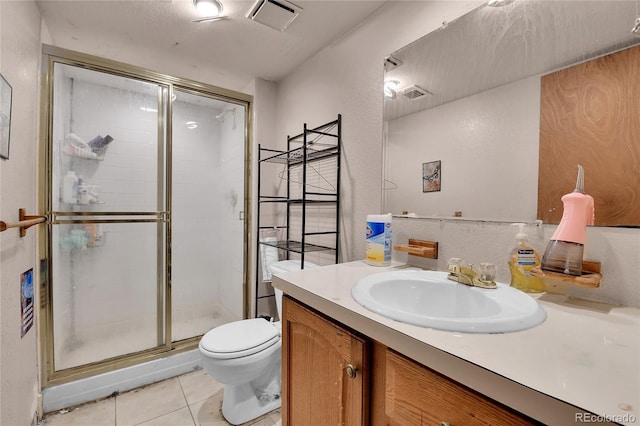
[5, 117]
[431, 174]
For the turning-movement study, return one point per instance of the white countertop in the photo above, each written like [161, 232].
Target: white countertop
[585, 357]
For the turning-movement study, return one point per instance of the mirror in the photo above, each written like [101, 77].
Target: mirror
[468, 97]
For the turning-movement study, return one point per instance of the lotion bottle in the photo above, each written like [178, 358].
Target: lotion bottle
[523, 259]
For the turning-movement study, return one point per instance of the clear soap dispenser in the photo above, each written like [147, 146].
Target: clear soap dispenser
[523, 259]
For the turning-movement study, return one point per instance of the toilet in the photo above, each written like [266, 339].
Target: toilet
[246, 357]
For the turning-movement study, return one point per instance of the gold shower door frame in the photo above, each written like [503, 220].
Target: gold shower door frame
[162, 217]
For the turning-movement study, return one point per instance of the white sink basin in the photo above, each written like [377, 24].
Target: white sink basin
[429, 299]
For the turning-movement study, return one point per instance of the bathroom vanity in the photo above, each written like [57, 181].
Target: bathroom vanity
[335, 387]
[580, 365]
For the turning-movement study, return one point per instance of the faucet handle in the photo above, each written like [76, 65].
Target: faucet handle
[454, 265]
[455, 261]
[487, 276]
[487, 271]
[465, 274]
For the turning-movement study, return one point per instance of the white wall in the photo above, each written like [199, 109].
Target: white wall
[19, 64]
[346, 77]
[488, 146]
[263, 129]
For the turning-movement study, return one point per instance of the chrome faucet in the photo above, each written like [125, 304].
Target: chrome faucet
[465, 274]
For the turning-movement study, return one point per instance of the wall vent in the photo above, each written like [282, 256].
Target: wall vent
[415, 92]
[277, 14]
[391, 63]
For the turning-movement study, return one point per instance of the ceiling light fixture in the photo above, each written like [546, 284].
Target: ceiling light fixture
[208, 8]
[390, 87]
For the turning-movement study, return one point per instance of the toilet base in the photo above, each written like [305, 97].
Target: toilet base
[240, 403]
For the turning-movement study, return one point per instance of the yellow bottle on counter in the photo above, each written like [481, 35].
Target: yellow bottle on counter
[523, 259]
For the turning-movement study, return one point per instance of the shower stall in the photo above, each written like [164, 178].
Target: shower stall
[145, 188]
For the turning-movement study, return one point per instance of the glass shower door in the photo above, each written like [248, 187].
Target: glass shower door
[207, 203]
[107, 241]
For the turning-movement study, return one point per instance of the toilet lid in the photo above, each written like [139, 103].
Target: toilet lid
[246, 337]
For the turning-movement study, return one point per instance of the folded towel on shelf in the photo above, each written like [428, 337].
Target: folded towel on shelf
[268, 255]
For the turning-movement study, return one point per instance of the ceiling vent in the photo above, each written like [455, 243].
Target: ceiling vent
[415, 92]
[277, 14]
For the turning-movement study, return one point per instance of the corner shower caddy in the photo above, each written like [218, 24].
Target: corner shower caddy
[311, 171]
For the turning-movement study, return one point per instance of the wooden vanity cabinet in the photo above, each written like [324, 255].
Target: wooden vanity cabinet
[324, 370]
[408, 393]
[319, 357]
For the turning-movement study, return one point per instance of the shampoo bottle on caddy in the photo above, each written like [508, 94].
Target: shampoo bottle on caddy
[70, 188]
[379, 239]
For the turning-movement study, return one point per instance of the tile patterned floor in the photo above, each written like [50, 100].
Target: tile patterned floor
[193, 399]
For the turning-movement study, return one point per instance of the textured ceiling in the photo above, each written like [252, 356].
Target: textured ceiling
[489, 47]
[231, 51]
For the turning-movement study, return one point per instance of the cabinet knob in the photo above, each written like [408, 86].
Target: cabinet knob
[445, 424]
[351, 371]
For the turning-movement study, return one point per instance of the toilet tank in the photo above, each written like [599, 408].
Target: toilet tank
[285, 266]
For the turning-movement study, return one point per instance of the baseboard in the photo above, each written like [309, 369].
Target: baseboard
[100, 386]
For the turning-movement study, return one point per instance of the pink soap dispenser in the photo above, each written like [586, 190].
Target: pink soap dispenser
[565, 250]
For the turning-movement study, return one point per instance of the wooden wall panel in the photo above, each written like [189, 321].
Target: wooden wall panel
[590, 115]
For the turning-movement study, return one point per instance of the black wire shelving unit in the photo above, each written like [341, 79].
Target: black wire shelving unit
[312, 156]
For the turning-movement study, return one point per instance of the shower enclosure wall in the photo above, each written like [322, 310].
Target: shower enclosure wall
[145, 189]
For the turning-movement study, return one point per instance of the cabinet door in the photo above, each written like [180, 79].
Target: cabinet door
[416, 395]
[317, 359]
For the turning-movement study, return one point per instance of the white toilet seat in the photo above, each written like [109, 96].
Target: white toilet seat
[239, 339]
[246, 356]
